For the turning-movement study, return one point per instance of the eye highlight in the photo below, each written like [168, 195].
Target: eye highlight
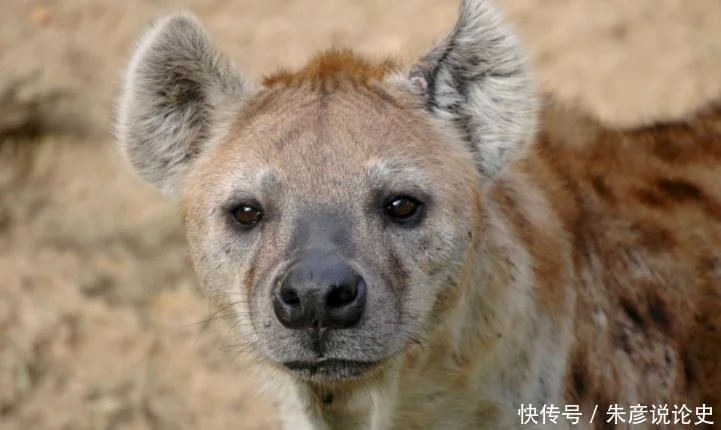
[402, 209]
[246, 215]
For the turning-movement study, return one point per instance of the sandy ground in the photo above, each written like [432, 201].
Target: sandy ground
[101, 322]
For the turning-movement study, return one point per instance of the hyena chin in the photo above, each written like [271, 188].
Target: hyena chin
[431, 248]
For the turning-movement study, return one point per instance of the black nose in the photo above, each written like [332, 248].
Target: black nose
[320, 291]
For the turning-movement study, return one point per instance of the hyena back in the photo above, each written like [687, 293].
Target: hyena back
[435, 249]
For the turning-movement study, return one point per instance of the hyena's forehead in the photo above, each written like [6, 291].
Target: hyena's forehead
[348, 120]
[329, 142]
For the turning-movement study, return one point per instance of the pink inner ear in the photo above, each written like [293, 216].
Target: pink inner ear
[420, 82]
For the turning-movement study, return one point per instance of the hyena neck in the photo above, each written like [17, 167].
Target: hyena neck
[517, 333]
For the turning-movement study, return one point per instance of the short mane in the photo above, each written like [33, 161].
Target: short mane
[332, 67]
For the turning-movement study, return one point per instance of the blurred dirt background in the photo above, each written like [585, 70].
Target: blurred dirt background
[101, 322]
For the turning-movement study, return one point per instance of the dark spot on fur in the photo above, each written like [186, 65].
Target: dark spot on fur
[578, 380]
[600, 420]
[650, 198]
[679, 190]
[669, 192]
[7, 409]
[712, 265]
[6, 221]
[287, 137]
[689, 371]
[667, 149]
[621, 341]
[653, 237]
[601, 188]
[630, 310]
[327, 398]
[658, 313]
[398, 272]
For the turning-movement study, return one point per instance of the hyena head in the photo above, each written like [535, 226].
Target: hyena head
[333, 207]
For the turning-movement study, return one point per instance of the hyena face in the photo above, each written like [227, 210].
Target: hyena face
[329, 221]
[332, 208]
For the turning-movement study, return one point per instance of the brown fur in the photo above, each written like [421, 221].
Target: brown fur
[643, 212]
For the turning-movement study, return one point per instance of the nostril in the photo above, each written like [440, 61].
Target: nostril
[289, 296]
[345, 304]
[347, 293]
[289, 308]
[341, 295]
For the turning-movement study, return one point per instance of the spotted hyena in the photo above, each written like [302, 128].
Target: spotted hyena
[438, 248]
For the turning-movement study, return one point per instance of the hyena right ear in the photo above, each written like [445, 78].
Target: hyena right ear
[176, 88]
[477, 83]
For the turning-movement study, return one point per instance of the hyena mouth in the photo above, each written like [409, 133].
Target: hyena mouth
[330, 368]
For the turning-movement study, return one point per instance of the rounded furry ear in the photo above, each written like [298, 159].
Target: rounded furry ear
[175, 86]
[477, 82]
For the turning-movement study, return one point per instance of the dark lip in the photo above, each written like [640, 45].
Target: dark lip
[330, 368]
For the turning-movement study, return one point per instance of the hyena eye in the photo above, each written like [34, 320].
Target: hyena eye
[247, 215]
[402, 209]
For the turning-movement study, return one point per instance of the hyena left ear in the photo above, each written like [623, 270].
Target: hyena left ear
[476, 82]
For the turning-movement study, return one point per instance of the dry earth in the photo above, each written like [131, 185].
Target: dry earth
[101, 322]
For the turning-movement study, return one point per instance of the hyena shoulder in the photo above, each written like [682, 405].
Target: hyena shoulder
[640, 210]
